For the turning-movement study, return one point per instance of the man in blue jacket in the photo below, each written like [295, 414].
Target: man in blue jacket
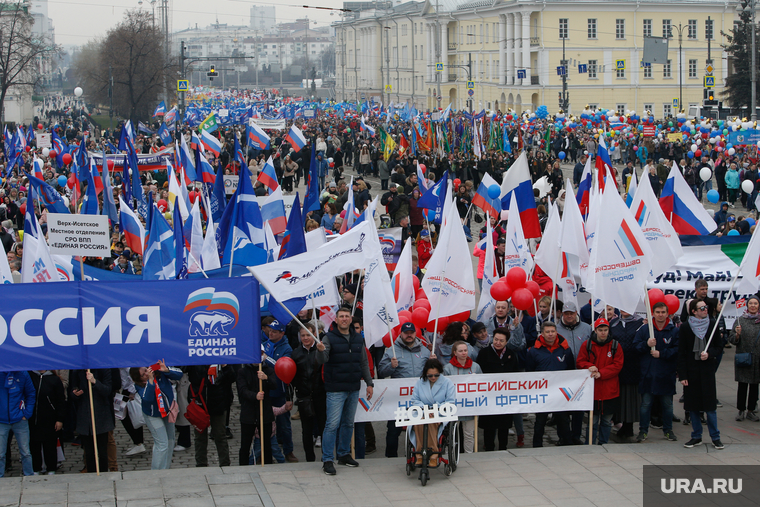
[17, 398]
[550, 353]
[659, 358]
[275, 348]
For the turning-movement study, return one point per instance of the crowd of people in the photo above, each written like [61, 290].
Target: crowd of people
[636, 371]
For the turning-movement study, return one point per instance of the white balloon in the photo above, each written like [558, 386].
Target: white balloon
[45, 152]
[731, 151]
[504, 215]
[747, 185]
[714, 140]
[758, 144]
[78, 91]
[693, 148]
[699, 142]
[705, 173]
[65, 200]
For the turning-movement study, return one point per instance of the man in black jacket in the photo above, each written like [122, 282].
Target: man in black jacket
[250, 418]
[215, 380]
[344, 356]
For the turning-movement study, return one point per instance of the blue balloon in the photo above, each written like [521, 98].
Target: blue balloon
[562, 155]
[713, 196]
[430, 215]
[750, 221]
[733, 232]
[61, 181]
[690, 154]
[494, 191]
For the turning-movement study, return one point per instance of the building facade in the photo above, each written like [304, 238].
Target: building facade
[513, 52]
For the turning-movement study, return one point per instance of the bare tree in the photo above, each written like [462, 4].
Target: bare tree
[134, 53]
[21, 51]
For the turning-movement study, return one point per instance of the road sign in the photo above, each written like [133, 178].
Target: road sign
[582, 68]
[439, 98]
[521, 74]
[561, 71]
[182, 85]
[388, 88]
[470, 85]
[620, 64]
[709, 81]
[439, 67]
[675, 103]
[645, 65]
[471, 92]
[709, 68]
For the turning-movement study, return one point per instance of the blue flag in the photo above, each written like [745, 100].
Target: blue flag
[294, 239]
[179, 242]
[434, 198]
[218, 196]
[109, 205]
[50, 198]
[165, 135]
[90, 201]
[311, 200]
[160, 252]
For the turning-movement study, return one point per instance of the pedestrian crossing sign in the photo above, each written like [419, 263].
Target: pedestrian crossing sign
[470, 85]
[439, 67]
[709, 81]
[388, 88]
[675, 103]
[182, 85]
[620, 64]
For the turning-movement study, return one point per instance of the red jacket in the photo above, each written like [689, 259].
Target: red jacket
[424, 252]
[607, 386]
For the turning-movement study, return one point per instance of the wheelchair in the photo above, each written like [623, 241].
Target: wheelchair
[447, 455]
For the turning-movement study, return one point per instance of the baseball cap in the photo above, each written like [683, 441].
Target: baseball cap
[408, 326]
[601, 321]
[276, 326]
[424, 233]
[570, 307]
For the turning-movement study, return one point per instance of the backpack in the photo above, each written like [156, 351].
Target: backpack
[614, 346]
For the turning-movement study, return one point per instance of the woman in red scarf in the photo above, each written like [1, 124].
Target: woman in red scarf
[462, 364]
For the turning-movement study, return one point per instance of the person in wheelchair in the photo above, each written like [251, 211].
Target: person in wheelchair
[432, 388]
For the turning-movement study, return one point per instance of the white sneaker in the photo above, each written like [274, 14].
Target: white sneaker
[511, 431]
[179, 448]
[136, 450]
[318, 442]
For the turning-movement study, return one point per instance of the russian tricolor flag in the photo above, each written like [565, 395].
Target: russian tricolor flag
[296, 138]
[273, 212]
[257, 137]
[583, 196]
[517, 180]
[268, 176]
[130, 225]
[603, 162]
[481, 199]
[681, 207]
[211, 143]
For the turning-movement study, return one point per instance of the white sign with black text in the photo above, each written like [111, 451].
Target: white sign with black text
[85, 235]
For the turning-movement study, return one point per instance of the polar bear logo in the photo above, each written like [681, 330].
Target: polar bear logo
[209, 324]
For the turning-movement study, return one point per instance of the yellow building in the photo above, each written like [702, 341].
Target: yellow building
[513, 52]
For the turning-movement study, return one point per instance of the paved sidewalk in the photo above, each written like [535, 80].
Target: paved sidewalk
[567, 477]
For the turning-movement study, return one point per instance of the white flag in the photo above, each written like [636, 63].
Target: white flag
[5, 270]
[450, 288]
[487, 304]
[303, 274]
[327, 294]
[621, 258]
[573, 241]
[209, 252]
[549, 254]
[659, 232]
[37, 263]
[750, 266]
[403, 287]
[516, 253]
[175, 192]
[196, 240]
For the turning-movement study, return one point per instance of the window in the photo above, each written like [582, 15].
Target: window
[621, 109]
[648, 107]
[422, 52]
[620, 73]
[709, 29]
[592, 28]
[563, 28]
[403, 30]
[666, 70]
[404, 56]
[647, 28]
[486, 33]
[667, 110]
[692, 33]
[648, 71]
[415, 48]
[415, 28]
[481, 34]
[592, 69]
[667, 29]
[620, 29]
[692, 68]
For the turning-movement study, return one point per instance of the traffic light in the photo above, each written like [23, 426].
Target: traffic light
[709, 98]
[212, 73]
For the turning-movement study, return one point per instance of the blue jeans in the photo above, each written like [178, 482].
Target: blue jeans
[277, 455]
[339, 426]
[21, 430]
[163, 441]
[604, 433]
[284, 431]
[712, 425]
[646, 411]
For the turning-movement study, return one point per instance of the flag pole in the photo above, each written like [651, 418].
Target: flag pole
[232, 252]
[92, 417]
[298, 321]
[261, 417]
[438, 309]
[723, 307]
[649, 313]
[356, 296]
[199, 264]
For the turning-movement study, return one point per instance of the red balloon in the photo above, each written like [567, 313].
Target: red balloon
[522, 299]
[194, 195]
[415, 283]
[443, 323]
[457, 182]
[420, 317]
[52, 154]
[656, 296]
[405, 316]
[28, 149]
[516, 278]
[71, 181]
[332, 164]
[22, 208]
[500, 291]
[39, 126]
[162, 205]
[460, 317]
[387, 340]
[66, 159]
[673, 303]
[533, 287]
[698, 153]
[421, 303]
[285, 369]
[420, 294]
[110, 165]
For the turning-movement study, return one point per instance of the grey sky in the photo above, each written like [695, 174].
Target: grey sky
[78, 21]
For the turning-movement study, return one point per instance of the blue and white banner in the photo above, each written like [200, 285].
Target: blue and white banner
[118, 324]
